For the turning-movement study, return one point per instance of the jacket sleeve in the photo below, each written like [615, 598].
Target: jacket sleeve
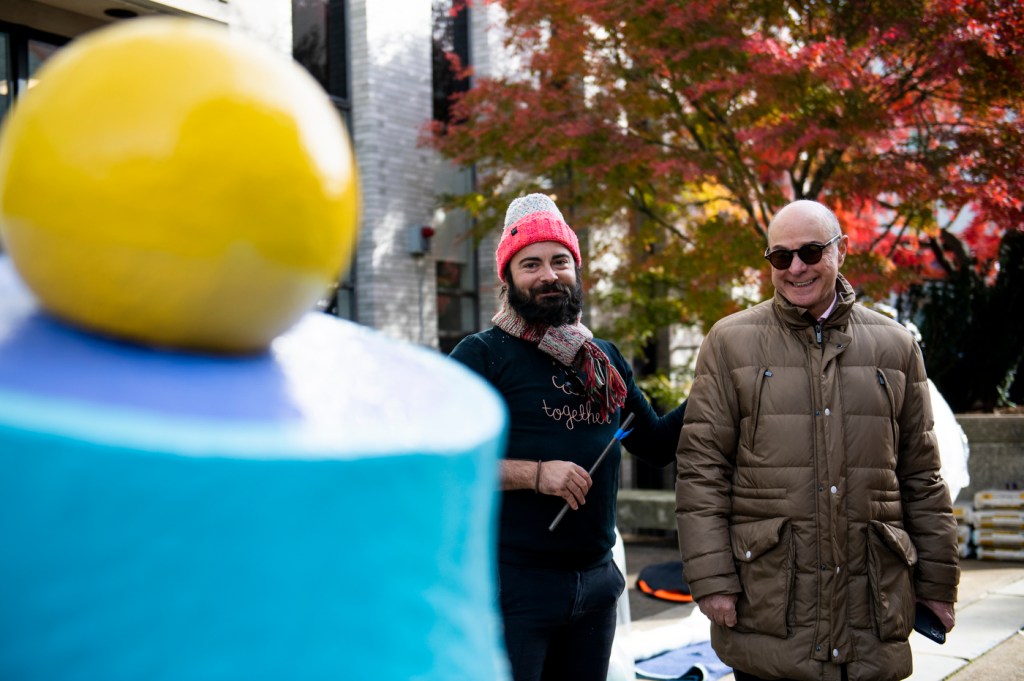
[927, 510]
[652, 438]
[705, 458]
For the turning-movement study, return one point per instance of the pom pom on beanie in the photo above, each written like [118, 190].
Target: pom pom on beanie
[531, 219]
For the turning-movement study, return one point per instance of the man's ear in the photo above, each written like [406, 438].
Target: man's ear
[841, 248]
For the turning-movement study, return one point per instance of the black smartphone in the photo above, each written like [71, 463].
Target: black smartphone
[927, 623]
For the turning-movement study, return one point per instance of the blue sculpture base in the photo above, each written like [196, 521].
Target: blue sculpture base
[323, 510]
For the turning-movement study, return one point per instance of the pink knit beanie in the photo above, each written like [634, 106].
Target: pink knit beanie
[530, 219]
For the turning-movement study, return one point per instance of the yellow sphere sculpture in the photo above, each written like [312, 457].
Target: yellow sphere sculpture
[174, 184]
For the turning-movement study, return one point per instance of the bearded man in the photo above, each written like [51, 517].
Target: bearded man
[566, 393]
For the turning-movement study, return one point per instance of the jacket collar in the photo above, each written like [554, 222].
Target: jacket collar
[799, 318]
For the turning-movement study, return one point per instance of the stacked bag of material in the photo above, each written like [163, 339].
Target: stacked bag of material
[998, 519]
[964, 514]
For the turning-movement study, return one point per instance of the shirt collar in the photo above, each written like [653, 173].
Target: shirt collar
[835, 299]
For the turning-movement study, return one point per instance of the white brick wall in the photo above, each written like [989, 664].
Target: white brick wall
[391, 97]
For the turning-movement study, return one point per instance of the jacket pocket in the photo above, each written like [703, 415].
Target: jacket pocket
[763, 551]
[891, 560]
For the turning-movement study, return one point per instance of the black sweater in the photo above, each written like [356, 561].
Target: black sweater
[548, 421]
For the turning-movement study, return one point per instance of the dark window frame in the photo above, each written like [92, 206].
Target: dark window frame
[336, 82]
[450, 34]
[17, 56]
[18, 39]
[448, 338]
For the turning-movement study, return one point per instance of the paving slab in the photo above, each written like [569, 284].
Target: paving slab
[1015, 589]
[929, 667]
[1005, 662]
[979, 627]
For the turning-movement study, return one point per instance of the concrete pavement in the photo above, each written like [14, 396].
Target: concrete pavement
[985, 645]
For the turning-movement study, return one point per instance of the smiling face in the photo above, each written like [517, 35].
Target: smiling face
[543, 286]
[812, 287]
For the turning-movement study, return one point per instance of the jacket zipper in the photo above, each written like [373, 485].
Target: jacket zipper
[755, 408]
[892, 408]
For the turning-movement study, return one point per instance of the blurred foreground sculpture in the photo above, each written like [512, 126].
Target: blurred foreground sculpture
[321, 505]
[172, 183]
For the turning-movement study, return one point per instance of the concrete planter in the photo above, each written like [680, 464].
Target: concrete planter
[997, 452]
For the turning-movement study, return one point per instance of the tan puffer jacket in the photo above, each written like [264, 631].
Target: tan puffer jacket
[808, 484]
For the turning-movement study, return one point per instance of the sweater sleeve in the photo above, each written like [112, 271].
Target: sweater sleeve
[927, 510]
[705, 463]
[652, 438]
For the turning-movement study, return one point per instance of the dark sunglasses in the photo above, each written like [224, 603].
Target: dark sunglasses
[810, 254]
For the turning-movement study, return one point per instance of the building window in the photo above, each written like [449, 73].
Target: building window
[456, 303]
[38, 52]
[320, 44]
[22, 51]
[458, 299]
[6, 75]
[450, 54]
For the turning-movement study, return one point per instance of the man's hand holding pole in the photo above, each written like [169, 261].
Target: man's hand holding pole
[619, 434]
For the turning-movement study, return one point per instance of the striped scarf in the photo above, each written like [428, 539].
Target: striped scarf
[571, 345]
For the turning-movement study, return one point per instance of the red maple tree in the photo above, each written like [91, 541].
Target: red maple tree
[693, 121]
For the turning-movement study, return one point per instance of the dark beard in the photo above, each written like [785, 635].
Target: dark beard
[550, 311]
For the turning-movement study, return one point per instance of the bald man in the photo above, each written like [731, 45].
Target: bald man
[812, 518]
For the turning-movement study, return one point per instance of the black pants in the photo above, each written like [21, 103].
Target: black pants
[559, 624]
